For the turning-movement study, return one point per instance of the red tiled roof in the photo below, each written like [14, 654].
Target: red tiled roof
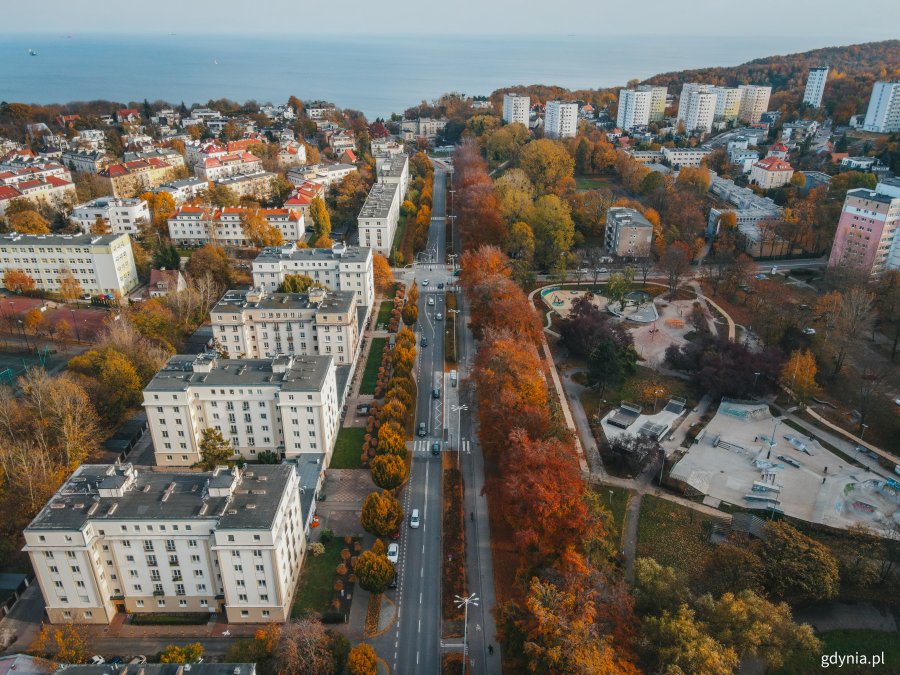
[778, 147]
[56, 181]
[8, 192]
[25, 184]
[774, 164]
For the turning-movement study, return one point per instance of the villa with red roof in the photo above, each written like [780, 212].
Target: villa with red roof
[302, 196]
[771, 172]
[128, 115]
[778, 150]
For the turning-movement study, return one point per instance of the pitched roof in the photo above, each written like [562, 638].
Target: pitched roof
[8, 192]
[773, 164]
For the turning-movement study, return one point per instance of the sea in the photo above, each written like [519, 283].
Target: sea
[377, 75]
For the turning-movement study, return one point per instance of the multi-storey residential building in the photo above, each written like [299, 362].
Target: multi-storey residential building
[224, 166]
[386, 146]
[560, 119]
[697, 107]
[254, 324]
[184, 189]
[115, 539]
[658, 97]
[288, 405]
[318, 110]
[628, 234]
[342, 140]
[343, 268]
[302, 196]
[754, 102]
[54, 191]
[867, 233]
[748, 207]
[198, 225]
[771, 172]
[85, 161]
[728, 104]
[257, 185]
[424, 127]
[100, 263]
[393, 169]
[516, 108]
[815, 86]
[326, 174]
[169, 155]
[883, 114]
[379, 217]
[122, 215]
[681, 157]
[128, 179]
[634, 109]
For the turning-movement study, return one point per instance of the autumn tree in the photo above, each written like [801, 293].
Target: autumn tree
[213, 260]
[797, 567]
[297, 283]
[381, 514]
[304, 648]
[799, 376]
[515, 194]
[29, 222]
[214, 449]
[554, 232]
[362, 660]
[548, 166]
[410, 313]
[693, 179]
[388, 471]
[606, 365]
[66, 643]
[373, 569]
[189, 653]
[847, 317]
[320, 218]
[682, 646]
[33, 320]
[69, 287]
[391, 439]
[258, 230]
[18, 281]
[382, 272]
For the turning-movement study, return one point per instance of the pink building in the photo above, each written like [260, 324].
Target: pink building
[866, 235]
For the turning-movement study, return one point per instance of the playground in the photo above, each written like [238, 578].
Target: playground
[13, 364]
[750, 459]
[638, 305]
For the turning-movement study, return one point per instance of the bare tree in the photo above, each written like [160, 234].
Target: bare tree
[850, 319]
[645, 267]
[676, 261]
[303, 648]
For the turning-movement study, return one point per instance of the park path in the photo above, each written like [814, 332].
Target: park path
[630, 534]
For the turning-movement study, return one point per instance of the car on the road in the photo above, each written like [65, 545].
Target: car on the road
[138, 660]
[438, 317]
[760, 277]
[115, 661]
[414, 519]
[393, 553]
[423, 431]
[601, 270]
[424, 341]
[425, 283]
[774, 269]
[441, 286]
[582, 270]
[435, 448]
[897, 401]
[809, 331]
[435, 393]
[430, 301]
[96, 660]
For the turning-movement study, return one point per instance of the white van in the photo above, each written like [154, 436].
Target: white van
[414, 519]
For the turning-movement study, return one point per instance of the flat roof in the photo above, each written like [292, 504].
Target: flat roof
[378, 203]
[235, 301]
[161, 669]
[291, 252]
[18, 239]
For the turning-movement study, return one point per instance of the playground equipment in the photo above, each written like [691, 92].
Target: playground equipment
[675, 323]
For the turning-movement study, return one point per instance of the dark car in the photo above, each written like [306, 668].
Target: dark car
[441, 286]
[423, 431]
[393, 582]
[435, 448]
[435, 393]
[424, 341]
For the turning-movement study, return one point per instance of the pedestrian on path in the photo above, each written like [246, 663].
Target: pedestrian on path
[490, 650]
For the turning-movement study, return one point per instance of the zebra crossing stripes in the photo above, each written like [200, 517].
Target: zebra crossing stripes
[424, 447]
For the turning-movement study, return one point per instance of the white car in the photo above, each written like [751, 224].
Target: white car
[393, 553]
[97, 660]
[430, 301]
[809, 331]
[425, 283]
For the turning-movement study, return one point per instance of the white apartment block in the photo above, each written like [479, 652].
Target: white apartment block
[287, 405]
[379, 217]
[424, 127]
[343, 268]
[728, 103]
[883, 114]
[658, 97]
[681, 157]
[199, 225]
[815, 86]
[560, 119]
[516, 108]
[15, 172]
[123, 215]
[697, 108]
[393, 169]
[754, 102]
[184, 189]
[634, 109]
[225, 166]
[100, 263]
[115, 539]
[254, 324]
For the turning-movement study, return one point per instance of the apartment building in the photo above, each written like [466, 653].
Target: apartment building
[184, 189]
[53, 191]
[379, 217]
[815, 86]
[124, 216]
[225, 166]
[748, 207]
[867, 232]
[326, 174]
[771, 172]
[288, 405]
[560, 119]
[386, 146]
[256, 185]
[728, 104]
[679, 158]
[85, 161]
[658, 96]
[198, 225]
[883, 113]
[302, 197]
[634, 109]
[393, 169]
[628, 234]
[128, 179]
[516, 108]
[117, 539]
[754, 102]
[254, 324]
[169, 155]
[341, 141]
[697, 107]
[100, 263]
[343, 268]
[424, 127]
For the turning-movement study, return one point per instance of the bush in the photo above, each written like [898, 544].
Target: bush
[334, 617]
[317, 549]
[174, 619]
[326, 535]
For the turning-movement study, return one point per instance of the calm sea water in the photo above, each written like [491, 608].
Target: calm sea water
[376, 75]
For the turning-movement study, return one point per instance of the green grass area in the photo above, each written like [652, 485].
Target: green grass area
[373, 363]
[348, 448]
[384, 312]
[170, 619]
[398, 235]
[673, 535]
[631, 391]
[616, 502]
[850, 643]
[314, 591]
[591, 182]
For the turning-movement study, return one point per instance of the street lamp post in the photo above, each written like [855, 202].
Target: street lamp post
[458, 410]
[465, 601]
[862, 433]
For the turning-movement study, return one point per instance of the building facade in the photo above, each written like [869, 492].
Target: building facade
[124, 216]
[560, 119]
[628, 234]
[516, 108]
[634, 109]
[658, 97]
[771, 172]
[116, 539]
[728, 104]
[100, 263]
[815, 86]
[199, 225]
[867, 232]
[681, 157]
[287, 405]
[128, 179]
[883, 114]
[697, 107]
[379, 217]
[754, 102]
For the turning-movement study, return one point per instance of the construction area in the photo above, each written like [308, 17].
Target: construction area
[748, 458]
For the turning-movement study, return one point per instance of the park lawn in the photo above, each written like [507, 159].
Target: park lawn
[398, 235]
[591, 182]
[384, 312]
[673, 535]
[348, 448]
[314, 592]
[617, 504]
[631, 390]
[850, 642]
[373, 363]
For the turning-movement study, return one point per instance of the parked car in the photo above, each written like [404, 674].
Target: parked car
[425, 283]
[393, 553]
[138, 660]
[430, 301]
[414, 519]
[115, 661]
[97, 660]
[809, 331]
[423, 431]
[438, 317]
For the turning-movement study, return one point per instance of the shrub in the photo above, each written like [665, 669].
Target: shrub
[326, 535]
[317, 548]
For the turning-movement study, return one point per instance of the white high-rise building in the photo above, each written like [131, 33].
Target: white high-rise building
[634, 109]
[560, 119]
[657, 101]
[754, 102]
[117, 539]
[516, 108]
[697, 107]
[883, 115]
[815, 86]
[728, 103]
[287, 405]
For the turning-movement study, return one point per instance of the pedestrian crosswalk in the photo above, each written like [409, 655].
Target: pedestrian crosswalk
[424, 446]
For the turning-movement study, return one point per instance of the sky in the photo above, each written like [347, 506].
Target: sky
[869, 19]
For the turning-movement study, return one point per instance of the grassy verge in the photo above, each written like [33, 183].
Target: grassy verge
[348, 448]
[173, 619]
[384, 312]
[632, 391]
[674, 535]
[850, 643]
[315, 589]
[616, 500]
[591, 182]
[453, 578]
[398, 235]
[373, 363]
